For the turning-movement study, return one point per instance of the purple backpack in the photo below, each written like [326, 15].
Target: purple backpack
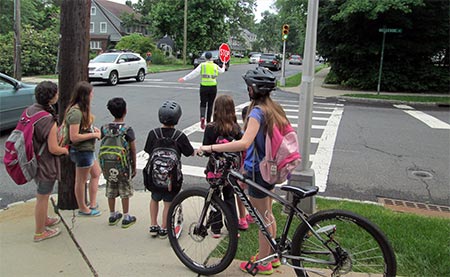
[20, 160]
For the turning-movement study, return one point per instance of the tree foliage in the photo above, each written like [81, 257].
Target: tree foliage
[349, 37]
[137, 43]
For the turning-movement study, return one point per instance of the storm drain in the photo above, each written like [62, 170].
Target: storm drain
[415, 207]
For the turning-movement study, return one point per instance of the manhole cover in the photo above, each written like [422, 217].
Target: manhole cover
[419, 174]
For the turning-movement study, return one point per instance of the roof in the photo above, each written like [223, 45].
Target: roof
[117, 9]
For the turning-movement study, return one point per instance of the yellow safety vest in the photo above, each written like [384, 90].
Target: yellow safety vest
[209, 74]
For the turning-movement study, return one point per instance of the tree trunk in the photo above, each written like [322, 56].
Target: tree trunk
[74, 59]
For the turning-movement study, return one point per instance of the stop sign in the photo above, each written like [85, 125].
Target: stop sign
[224, 52]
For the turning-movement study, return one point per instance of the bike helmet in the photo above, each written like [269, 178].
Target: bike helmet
[169, 113]
[208, 55]
[261, 80]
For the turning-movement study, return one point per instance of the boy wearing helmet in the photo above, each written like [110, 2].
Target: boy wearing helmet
[208, 71]
[165, 139]
[263, 114]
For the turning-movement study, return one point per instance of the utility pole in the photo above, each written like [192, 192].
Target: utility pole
[17, 42]
[306, 175]
[185, 32]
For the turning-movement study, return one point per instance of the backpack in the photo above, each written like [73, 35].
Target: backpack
[163, 170]
[114, 153]
[282, 155]
[63, 134]
[215, 167]
[20, 160]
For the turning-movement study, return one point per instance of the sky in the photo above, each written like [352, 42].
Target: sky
[263, 5]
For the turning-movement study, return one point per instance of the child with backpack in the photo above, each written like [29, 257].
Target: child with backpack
[46, 148]
[117, 157]
[162, 174]
[223, 129]
[263, 115]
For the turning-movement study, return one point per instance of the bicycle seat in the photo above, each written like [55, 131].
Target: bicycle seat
[301, 191]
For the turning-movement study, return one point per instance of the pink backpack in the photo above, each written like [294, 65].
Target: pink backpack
[20, 160]
[282, 155]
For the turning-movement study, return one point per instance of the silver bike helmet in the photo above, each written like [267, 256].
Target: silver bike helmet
[169, 113]
[261, 80]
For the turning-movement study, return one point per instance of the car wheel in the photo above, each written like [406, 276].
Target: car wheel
[140, 76]
[113, 78]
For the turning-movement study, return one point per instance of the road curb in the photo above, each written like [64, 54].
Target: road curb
[386, 101]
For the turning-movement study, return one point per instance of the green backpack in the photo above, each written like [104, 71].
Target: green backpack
[114, 152]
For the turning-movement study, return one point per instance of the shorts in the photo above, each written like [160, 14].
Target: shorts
[255, 193]
[44, 187]
[166, 197]
[123, 189]
[82, 159]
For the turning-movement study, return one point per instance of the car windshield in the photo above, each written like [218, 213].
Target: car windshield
[295, 56]
[215, 54]
[107, 58]
[267, 56]
[256, 55]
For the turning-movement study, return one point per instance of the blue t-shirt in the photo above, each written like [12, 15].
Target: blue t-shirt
[252, 161]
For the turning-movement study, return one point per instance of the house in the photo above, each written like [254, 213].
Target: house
[107, 27]
[244, 42]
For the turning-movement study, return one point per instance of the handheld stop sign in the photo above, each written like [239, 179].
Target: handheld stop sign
[224, 52]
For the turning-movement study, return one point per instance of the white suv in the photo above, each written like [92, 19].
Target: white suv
[111, 67]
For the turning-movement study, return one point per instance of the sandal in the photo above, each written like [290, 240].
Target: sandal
[90, 213]
[51, 221]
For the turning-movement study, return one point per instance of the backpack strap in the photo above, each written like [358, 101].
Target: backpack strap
[34, 119]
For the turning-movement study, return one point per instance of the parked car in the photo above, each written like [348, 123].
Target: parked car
[253, 53]
[295, 59]
[215, 57]
[15, 96]
[254, 58]
[238, 55]
[112, 67]
[270, 61]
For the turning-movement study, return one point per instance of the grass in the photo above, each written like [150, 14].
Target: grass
[406, 98]
[296, 79]
[421, 244]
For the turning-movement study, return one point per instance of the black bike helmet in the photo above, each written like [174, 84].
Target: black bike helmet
[169, 113]
[208, 55]
[261, 80]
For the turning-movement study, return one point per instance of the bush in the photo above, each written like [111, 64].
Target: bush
[136, 43]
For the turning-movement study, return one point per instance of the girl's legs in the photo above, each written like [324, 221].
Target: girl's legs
[93, 184]
[81, 176]
[264, 207]
[40, 212]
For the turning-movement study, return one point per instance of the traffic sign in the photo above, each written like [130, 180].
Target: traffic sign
[389, 30]
[224, 52]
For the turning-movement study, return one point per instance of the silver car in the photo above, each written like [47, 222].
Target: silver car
[254, 58]
[15, 96]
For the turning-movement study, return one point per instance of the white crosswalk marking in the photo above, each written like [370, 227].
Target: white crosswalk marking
[429, 120]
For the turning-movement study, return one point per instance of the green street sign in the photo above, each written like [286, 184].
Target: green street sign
[389, 30]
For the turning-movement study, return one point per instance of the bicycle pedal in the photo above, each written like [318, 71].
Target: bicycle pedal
[251, 268]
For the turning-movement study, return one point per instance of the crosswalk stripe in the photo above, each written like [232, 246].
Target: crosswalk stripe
[424, 117]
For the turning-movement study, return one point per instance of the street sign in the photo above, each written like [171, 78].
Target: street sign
[389, 30]
[224, 52]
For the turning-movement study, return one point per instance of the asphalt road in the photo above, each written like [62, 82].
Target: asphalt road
[358, 151]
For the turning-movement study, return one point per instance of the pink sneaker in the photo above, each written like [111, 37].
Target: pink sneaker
[50, 221]
[250, 219]
[275, 262]
[264, 270]
[242, 224]
[48, 233]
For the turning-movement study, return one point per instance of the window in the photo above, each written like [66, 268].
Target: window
[94, 44]
[93, 10]
[103, 28]
[91, 30]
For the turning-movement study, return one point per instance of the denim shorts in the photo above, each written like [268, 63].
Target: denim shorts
[44, 187]
[83, 159]
[255, 193]
[166, 197]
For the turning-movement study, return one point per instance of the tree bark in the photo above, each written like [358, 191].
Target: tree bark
[74, 59]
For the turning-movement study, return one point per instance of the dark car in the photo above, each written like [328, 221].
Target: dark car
[215, 57]
[270, 61]
[15, 96]
[295, 59]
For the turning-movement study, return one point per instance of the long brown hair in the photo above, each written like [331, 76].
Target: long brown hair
[81, 97]
[273, 113]
[225, 120]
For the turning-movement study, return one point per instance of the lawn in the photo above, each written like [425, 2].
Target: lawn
[421, 244]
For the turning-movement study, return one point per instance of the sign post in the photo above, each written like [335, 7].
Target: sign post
[384, 31]
[224, 53]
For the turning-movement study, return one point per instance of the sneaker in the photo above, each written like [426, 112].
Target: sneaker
[51, 221]
[90, 213]
[154, 230]
[242, 224]
[264, 270]
[216, 234]
[202, 123]
[250, 219]
[275, 262]
[128, 222]
[113, 220]
[162, 233]
[48, 233]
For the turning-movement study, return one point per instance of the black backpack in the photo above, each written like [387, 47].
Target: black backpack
[163, 170]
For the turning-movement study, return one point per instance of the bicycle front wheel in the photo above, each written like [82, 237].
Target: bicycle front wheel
[352, 244]
[197, 246]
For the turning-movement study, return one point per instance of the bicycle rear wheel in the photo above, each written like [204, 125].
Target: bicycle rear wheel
[356, 244]
[196, 247]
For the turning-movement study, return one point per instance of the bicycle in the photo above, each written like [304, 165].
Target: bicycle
[326, 243]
